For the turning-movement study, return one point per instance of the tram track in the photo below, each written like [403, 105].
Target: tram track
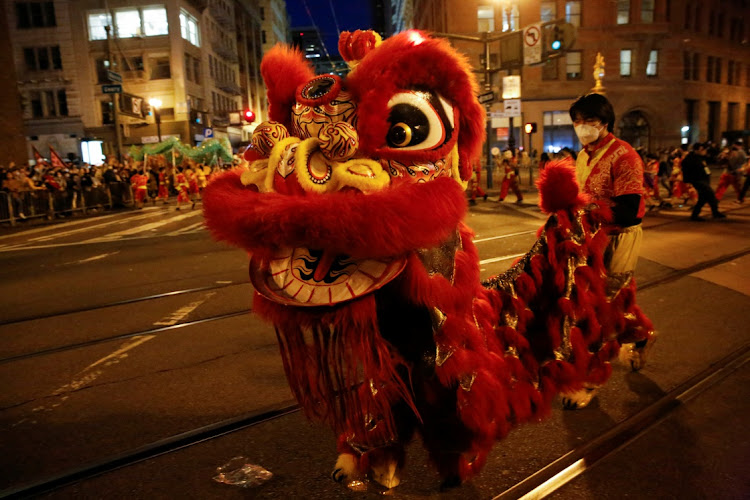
[538, 485]
[669, 277]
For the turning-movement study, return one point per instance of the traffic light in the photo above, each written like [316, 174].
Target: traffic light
[558, 37]
[248, 115]
[530, 127]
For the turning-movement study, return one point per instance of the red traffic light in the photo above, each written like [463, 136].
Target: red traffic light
[530, 127]
[249, 115]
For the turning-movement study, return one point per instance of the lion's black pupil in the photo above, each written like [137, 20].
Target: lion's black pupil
[414, 118]
[397, 135]
[318, 88]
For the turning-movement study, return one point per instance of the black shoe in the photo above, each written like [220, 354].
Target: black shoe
[697, 218]
[472, 202]
[719, 215]
[485, 197]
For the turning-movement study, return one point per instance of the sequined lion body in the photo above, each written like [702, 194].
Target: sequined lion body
[352, 209]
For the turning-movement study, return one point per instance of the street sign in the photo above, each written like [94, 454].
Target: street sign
[486, 97]
[112, 89]
[114, 77]
[512, 107]
[208, 133]
[532, 44]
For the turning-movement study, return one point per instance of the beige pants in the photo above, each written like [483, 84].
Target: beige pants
[621, 256]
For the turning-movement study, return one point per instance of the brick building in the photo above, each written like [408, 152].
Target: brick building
[676, 71]
[200, 58]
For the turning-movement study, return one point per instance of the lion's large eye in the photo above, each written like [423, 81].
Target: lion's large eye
[419, 120]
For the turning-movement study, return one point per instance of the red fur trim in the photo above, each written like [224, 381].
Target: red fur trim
[284, 69]
[386, 223]
[558, 187]
[401, 64]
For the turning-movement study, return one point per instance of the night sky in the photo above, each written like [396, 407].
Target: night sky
[350, 14]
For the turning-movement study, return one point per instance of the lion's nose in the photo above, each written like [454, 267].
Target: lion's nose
[338, 141]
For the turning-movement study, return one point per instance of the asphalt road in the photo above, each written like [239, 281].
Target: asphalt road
[125, 330]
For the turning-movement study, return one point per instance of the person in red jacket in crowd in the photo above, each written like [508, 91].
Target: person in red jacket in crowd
[508, 169]
[163, 188]
[140, 188]
[475, 185]
[183, 189]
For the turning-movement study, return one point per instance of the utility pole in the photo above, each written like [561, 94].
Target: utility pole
[115, 99]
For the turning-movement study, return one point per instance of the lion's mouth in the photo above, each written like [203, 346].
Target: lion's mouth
[303, 277]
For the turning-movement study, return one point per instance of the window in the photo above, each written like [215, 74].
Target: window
[733, 110]
[128, 23]
[197, 70]
[623, 11]
[696, 66]
[48, 103]
[711, 22]
[102, 66]
[710, 69]
[263, 36]
[42, 58]
[653, 63]
[573, 65]
[108, 116]
[262, 14]
[188, 68]
[730, 72]
[717, 72]
[573, 13]
[211, 65]
[189, 28]
[558, 131]
[720, 22]
[155, 21]
[549, 11]
[647, 11]
[688, 11]
[626, 58]
[35, 15]
[697, 19]
[549, 70]
[159, 67]
[686, 66]
[485, 18]
[510, 18]
[737, 72]
[97, 22]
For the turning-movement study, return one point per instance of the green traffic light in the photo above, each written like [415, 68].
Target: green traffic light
[556, 45]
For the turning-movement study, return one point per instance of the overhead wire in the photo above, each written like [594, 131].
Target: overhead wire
[315, 26]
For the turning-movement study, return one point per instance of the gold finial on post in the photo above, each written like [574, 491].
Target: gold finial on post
[598, 74]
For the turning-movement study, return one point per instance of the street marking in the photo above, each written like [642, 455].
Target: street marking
[503, 257]
[480, 240]
[49, 228]
[186, 229]
[95, 226]
[90, 259]
[144, 228]
[86, 377]
[557, 481]
[182, 312]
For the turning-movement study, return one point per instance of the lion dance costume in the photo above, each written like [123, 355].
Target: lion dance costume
[351, 209]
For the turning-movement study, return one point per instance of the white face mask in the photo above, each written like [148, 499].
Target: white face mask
[587, 133]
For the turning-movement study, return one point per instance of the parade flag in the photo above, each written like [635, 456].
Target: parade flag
[55, 158]
[38, 158]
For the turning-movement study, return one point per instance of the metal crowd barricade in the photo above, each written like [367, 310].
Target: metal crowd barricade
[43, 203]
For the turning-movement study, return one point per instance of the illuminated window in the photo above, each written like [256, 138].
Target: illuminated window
[626, 58]
[573, 13]
[558, 131]
[653, 63]
[128, 23]
[189, 28]
[647, 11]
[155, 21]
[97, 22]
[485, 18]
[549, 11]
[573, 65]
[623, 11]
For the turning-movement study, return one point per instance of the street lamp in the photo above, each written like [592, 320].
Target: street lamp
[155, 105]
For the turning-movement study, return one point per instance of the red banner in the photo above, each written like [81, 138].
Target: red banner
[38, 158]
[55, 158]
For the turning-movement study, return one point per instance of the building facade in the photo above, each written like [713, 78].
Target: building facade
[275, 23]
[198, 58]
[676, 72]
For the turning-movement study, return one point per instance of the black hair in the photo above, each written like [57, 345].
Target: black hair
[594, 106]
[699, 145]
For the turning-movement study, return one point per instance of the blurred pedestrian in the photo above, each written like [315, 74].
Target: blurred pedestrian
[696, 172]
[735, 161]
[475, 187]
[509, 171]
